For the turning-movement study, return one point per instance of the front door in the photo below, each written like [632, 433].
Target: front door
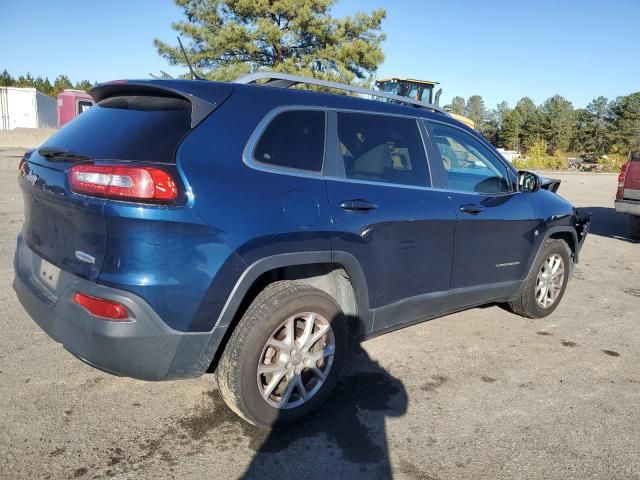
[495, 228]
[386, 215]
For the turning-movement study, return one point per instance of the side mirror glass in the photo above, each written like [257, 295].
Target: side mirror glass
[528, 182]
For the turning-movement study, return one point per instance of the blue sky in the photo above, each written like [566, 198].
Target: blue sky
[499, 49]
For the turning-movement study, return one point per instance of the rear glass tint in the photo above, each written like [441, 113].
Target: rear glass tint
[293, 139]
[128, 127]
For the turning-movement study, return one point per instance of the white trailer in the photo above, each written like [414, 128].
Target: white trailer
[27, 108]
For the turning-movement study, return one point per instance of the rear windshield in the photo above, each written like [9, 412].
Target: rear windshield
[128, 127]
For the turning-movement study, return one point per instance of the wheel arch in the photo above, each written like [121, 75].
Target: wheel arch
[570, 236]
[566, 233]
[338, 274]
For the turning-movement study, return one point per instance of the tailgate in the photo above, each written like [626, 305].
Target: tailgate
[140, 122]
[67, 232]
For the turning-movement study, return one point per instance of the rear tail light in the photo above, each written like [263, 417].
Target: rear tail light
[123, 182]
[100, 307]
[621, 179]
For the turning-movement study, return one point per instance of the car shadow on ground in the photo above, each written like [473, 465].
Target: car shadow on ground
[346, 439]
[606, 222]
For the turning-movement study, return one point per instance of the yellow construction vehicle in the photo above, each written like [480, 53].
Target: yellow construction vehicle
[421, 90]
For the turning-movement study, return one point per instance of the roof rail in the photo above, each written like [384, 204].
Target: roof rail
[285, 80]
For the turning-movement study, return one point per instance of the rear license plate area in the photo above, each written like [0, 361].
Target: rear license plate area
[48, 275]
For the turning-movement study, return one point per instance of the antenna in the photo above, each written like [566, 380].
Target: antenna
[194, 76]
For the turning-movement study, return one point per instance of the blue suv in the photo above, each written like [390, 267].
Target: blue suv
[180, 227]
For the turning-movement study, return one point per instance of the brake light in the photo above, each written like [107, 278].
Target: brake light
[621, 179]
[123, 182]
[102, 308]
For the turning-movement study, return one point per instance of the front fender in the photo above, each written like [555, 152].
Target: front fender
[558, 217]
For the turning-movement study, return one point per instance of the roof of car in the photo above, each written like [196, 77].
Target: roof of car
[209, 91]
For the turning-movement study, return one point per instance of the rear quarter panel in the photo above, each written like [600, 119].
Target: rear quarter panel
[255, 213]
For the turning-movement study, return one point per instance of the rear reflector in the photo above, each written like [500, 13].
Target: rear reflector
[123, 182]
[102, 308]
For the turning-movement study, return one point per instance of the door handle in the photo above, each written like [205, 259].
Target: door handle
[471, 208]
[358, 205]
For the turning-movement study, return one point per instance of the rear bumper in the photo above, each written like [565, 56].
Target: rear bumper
[632, 207]
[144, 348]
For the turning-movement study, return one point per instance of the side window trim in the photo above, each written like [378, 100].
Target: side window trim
[439, 179]
[508, 168]
[250, 161]
[334, 167]
[339, 172]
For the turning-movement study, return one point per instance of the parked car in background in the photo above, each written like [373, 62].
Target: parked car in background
[72, 103]
[180, 227]
[628, 194]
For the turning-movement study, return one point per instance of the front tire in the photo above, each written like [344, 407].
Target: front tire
[544, 288]
[285, 355]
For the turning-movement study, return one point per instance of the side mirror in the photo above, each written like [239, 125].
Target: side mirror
[528, 182]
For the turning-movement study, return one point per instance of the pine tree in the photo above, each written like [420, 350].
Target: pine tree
[476, 111]
[85, 85]
[557, 123]
[511, 130]
[625, 124]
[456, 106]
[61, 83]
[6, 80]
[232, 37]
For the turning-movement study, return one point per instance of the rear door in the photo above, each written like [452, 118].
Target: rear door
[495, 225]
[388, 217]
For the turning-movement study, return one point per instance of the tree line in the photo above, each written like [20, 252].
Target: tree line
[43, 85]
[605, 127]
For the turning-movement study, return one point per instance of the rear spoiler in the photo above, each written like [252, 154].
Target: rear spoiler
[204, 96]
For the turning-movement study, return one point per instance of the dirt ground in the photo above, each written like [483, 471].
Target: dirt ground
[478, 394]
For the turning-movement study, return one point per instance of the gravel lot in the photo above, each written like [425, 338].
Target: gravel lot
[479, 394]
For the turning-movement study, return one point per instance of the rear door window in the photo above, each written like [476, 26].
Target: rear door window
[293, 139]
[380, 148]
[128, 127]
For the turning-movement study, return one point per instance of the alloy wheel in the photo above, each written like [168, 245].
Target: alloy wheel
[296, 360]
[550, 280]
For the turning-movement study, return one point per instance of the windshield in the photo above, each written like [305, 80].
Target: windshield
[427, 94]
[391, 87]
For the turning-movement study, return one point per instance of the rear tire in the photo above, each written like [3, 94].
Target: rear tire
[634, 226]
[274, 370]
[544, 288]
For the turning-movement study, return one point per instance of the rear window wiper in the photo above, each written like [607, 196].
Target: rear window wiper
[54, 153]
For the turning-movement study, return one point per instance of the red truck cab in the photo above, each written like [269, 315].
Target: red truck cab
[628, 194]
[72, 103]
